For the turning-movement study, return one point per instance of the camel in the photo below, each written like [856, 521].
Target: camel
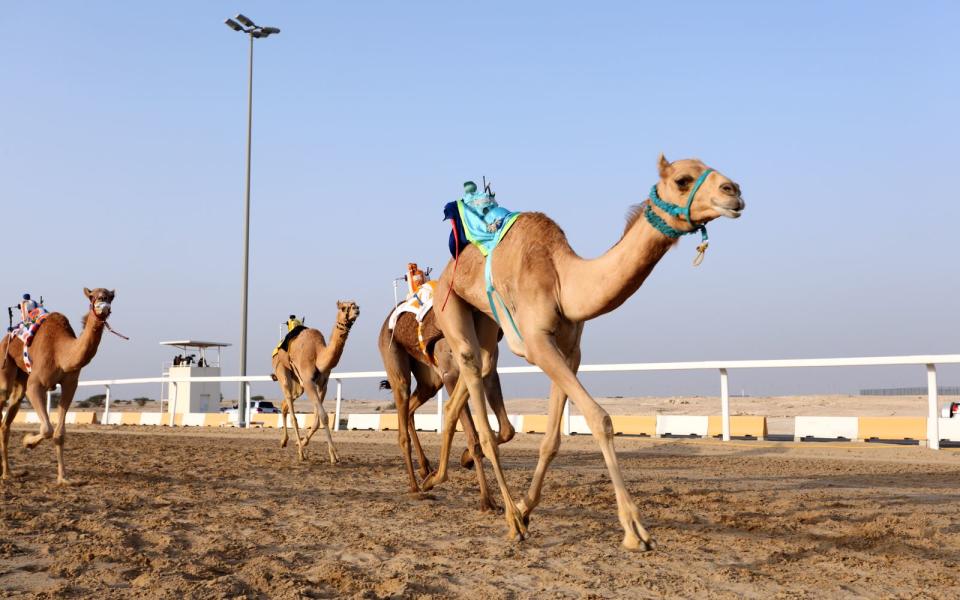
[305, 366]
[57, 355]
[402, 357]
[550, 293]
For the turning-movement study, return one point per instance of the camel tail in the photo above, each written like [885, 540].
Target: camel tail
[385, 384]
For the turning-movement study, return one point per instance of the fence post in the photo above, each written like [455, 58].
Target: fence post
[566, 417]
[336, 412]
[439, 410]
[933, 419]
[106, 408]
[246, 403]
[725, 405]
[49, 400]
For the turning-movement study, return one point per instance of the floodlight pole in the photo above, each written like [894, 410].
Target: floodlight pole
[242, 401]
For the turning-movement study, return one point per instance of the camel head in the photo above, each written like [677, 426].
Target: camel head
[100, 301]
[716, 196]
[347, 313]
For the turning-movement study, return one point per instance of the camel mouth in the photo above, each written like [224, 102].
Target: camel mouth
[728, 211]
[102, 309]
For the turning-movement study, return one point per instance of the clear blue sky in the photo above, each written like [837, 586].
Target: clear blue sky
[122, 130]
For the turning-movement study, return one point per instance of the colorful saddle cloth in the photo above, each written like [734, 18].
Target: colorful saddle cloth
[419, 304]
[484, 223]
[27, 330]
[291, 335]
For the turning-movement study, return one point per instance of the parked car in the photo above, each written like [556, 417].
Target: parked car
[256, 407]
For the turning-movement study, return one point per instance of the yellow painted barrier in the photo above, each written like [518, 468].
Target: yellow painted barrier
[130, 418]
[534, 423]
[893, 428]
[740, 426]
[389, 422]
[271, 420]
[216, 420]
[21, 417]
[632, 425]
[85, 418]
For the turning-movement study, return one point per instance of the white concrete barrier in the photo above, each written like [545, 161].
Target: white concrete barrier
[191, 419]
[32, 417]
[114, 418]
[578, 425]
[151, 418]
[827, 427]
[363, 421]
[426, 421]
[950, 429]
[682, 425]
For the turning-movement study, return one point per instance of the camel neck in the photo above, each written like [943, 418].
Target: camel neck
[590, 288]
[82, 350]
[334, 350]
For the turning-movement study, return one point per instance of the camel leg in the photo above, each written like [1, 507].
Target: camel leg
[284, 438]
[320, 417]
[475, 452]
[5, 427]
[37, 396]
[12, 399]
[542, 351]
[422, 460]
[289, 403]
[457, 408]
[495, 398]
[451, 412]
[401, 397]
[67, 390]
[551, 440]
[473, 343]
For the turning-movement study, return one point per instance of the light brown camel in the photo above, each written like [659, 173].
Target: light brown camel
[403, 357]
[551, 292]
[56, 355]
[305, 366]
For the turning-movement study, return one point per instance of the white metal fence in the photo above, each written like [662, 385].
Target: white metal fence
[722, 367]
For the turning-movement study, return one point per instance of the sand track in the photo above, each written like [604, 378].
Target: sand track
[228, 514]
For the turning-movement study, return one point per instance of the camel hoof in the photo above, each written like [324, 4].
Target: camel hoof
[283, 443]
[70, 482]
[635, 544]
[466, 459]
[430, 482]
[488, 506]
[29, 444]
[524, 512]
[518, 529]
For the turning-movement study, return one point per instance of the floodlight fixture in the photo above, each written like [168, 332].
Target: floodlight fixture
[247, 22]
[233, 25]
[270, 30]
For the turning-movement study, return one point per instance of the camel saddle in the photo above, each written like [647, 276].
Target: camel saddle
[27, 330]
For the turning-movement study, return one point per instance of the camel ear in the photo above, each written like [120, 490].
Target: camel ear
[663, 165]
[87, 292]
[113, 294]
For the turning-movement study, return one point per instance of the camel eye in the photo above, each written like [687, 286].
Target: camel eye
[683, 182]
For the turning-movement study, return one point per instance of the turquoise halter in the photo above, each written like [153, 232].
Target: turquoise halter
[682, 212]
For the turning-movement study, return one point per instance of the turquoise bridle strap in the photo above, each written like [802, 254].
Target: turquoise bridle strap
[493, 295]
[682, 212]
